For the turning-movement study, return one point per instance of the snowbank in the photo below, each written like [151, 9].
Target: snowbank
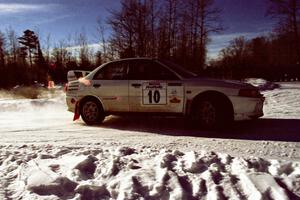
[47, 172]
[262, 84]
[12, 101]
[283, 103]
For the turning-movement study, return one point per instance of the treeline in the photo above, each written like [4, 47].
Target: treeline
[177, 30]
[24, 61]
[270, 57]
[275, 56]
[21, 59]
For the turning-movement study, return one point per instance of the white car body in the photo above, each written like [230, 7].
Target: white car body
[126, 92]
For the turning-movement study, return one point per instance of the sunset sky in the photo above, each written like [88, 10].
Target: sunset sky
[61, 18]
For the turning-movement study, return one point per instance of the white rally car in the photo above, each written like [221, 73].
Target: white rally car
[153, 86]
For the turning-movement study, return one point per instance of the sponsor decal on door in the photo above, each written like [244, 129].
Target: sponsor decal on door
[154, 93]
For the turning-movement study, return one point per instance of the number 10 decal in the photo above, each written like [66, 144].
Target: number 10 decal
[155, 96]
[154, 93]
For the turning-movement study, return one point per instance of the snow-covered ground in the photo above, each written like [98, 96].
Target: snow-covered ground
[45, 155]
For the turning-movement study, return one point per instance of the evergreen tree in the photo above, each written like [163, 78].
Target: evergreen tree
[31, 47]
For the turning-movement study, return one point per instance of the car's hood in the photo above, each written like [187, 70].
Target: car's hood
[218, 83]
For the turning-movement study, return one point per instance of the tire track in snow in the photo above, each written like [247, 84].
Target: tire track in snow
[146, 172]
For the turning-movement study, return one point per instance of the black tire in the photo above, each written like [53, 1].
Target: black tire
[91, 111]
[211, 115]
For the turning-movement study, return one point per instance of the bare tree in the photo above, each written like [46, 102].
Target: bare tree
[122, 30]
[13, 45]
[61, 54]
[131, 27]
[288, 14]
[103, 42]
[172, 7]
[205, 19]
[2, 50]
[174, 29]
[2, 59]
[84, 51]
[238, 47]
[47, 48]
[151, 4]
[98, 58]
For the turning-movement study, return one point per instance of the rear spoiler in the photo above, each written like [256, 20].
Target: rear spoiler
[76, 74]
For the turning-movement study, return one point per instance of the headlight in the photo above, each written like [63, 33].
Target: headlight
[84, 81]
[254, 93]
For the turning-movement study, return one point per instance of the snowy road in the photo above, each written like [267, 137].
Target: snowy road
[39, 135]
[46, 121]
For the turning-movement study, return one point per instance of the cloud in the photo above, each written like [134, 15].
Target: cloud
[93, 47]
[12, 8]
[53, 19]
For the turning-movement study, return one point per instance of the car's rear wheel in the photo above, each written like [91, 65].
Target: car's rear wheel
[91, 111]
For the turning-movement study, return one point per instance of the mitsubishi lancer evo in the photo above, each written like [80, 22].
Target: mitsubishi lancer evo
[153, 86]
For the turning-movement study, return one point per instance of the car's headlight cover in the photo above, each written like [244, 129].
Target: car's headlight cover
[253, 93]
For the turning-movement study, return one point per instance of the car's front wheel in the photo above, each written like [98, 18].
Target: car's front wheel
[91, 111]
[207, 113]
[210, 114]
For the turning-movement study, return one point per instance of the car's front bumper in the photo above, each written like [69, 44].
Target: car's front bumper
[246, 108]
[71, 102]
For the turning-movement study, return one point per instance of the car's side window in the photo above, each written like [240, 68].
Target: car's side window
[149, 70]
[113, 71]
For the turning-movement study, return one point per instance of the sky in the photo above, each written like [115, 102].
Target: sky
[62, 18]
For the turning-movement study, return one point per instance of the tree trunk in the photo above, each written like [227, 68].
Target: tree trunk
[295, 30]
[202, 45]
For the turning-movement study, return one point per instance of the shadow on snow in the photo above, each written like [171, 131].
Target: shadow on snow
[263, 129]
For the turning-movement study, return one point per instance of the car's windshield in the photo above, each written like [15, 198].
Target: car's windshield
[178, 69]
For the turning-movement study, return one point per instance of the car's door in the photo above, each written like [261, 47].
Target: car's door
[154, 88]
[110, 84]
